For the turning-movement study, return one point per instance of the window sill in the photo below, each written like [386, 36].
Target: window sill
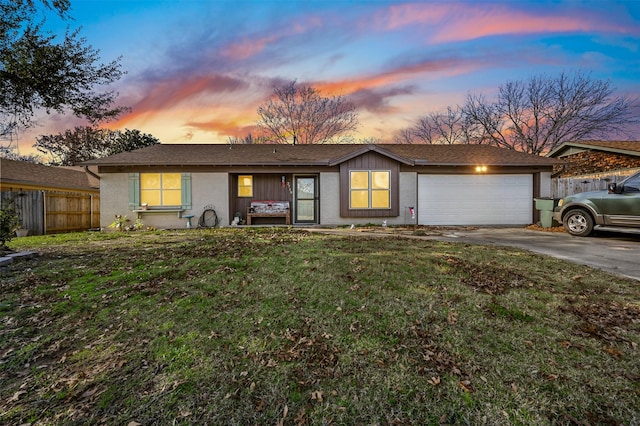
[140, 212]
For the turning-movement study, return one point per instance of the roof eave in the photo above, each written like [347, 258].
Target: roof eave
[591, 147]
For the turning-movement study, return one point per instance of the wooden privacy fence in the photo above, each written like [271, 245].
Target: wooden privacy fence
[55, 212]
[561, 187]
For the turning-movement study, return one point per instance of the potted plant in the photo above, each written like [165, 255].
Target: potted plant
[22, 231]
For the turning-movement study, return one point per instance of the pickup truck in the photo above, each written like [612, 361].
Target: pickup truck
[617, 208]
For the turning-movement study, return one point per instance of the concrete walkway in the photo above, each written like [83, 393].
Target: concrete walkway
[12, 257]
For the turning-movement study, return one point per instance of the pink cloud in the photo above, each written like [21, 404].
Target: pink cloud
[457, 22]
[247, 48]
[251, 46]
[172, 92]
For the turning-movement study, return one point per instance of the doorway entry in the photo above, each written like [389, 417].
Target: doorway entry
[305, 199]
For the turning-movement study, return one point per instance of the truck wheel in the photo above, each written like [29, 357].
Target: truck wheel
[578, 222]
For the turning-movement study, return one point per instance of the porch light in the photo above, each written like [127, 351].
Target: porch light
[481, 169]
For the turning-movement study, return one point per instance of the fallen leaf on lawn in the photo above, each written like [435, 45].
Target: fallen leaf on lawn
[134, 423]
[317, 396]
[16, 396]
[466, 386]
[514, 387]
[452, 317]
[301, 417]
[285, 411]
[89, 393]
[612, 351]
[435, 381]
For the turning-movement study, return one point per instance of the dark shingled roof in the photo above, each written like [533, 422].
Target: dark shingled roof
[318, 155]
[23, 173]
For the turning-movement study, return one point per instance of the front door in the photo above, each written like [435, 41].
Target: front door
[306, 199]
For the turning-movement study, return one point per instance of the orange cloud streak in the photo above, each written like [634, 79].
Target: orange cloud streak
[450, 66]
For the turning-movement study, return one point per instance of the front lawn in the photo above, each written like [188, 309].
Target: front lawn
[277, 326]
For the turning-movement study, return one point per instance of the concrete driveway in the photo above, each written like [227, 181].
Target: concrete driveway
[609, 251]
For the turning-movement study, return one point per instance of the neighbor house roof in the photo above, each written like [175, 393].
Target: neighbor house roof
[318, 155]
[21, 174]
[631, 148]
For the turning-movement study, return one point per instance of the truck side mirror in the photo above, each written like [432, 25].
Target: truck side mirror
[614, 189]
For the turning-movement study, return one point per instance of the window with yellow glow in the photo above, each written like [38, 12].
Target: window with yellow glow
[161, 189]
[370, 189]
[245, 186]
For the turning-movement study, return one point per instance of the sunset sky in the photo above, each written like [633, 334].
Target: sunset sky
[197, 70]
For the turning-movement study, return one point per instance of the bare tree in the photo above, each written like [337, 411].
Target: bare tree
[405, 136]
[450, 127]
[537, 115]
[250, 139]
[301, 115]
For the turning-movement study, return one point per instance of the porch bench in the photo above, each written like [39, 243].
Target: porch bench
[269, 209]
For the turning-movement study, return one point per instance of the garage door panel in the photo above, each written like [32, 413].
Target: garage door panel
[475, 199]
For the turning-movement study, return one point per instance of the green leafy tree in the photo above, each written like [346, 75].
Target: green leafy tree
[11, 153]
[39, 72]
[86, 143]
[128, 140]
[9, 221]
[300, 114]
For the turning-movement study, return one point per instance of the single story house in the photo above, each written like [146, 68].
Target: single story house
[51, 199]
[325, 185]
[593, 157]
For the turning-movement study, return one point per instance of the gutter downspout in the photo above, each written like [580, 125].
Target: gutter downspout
[86, 169]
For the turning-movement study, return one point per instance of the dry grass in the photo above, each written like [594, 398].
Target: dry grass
[277, 326]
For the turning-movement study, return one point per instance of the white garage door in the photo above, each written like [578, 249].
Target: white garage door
[475, 199]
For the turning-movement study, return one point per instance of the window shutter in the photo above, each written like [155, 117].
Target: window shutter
[134, 191]
[186, 191]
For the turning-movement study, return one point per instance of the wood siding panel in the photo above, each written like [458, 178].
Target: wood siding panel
[369, 161]
[266, 187]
